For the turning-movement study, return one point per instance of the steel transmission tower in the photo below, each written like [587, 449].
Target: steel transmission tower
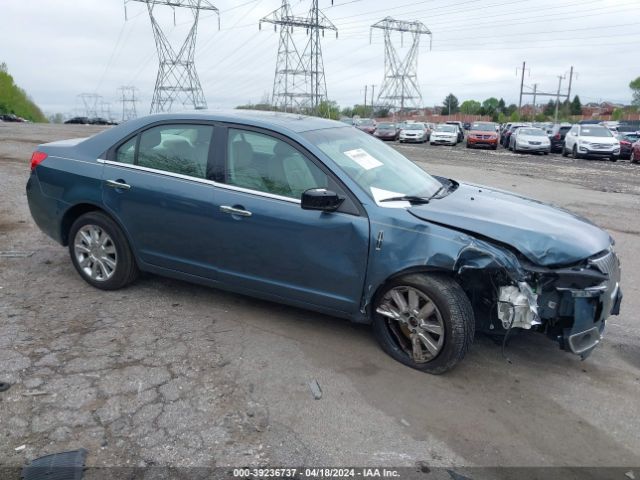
[400, 88]
[177, 79]
[129, 100]
[299, 83]
[90, 103]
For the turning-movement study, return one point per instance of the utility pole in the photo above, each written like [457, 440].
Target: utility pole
[177, 78]
[373, 88]
[555, 117]
[570, 81]
[400, 87]
[535, 90]
[524, 64]
[365, 98]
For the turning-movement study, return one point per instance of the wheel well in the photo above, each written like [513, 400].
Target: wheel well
[421, 269]
[71, 216]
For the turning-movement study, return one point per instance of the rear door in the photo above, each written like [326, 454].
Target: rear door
[268, 244]
[158, 184]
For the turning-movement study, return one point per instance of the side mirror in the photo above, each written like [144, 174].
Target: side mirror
[320, 199]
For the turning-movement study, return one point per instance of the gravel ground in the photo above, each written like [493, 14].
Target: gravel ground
[169, 373]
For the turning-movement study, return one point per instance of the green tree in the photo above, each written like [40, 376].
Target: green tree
[15, 100]
[634, 85]
[450, 105]
[470, 107]
[617, 114]
[576, 106]
[490, 105]
[501, 105]
[56, 118]
[515, 116]
[550, 108]
[540, 117]
[328, 109]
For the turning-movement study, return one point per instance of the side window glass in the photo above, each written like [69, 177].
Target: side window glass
[179, 148]
[261, 162]
[126, 153]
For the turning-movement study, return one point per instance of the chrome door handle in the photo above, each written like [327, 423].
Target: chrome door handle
[116, 184]
[235, 211]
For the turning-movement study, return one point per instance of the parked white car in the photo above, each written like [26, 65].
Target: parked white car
[445, 134]
[414, 132]
[530, 139]
[585, 141]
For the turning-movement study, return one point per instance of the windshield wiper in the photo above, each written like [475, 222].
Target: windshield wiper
[413, 198]
[407, 198]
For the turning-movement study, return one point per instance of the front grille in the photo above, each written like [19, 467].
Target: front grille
[601, 146]
[608, 264]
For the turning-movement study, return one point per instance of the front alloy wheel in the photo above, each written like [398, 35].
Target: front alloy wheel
[424, 321]
[414, 321]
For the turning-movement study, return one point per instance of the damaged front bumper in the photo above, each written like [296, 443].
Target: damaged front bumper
[570, 305]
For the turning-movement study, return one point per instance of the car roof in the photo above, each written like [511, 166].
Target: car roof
[258, 118]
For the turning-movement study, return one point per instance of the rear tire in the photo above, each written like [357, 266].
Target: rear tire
[565, 153]
[632, 159]
[575, 153]
[441, 306]
[100, 252]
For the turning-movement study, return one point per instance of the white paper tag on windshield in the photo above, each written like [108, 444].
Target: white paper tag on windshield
[363, 158]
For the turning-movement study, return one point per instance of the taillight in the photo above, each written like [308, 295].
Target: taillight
[624, 142]
[557, 136]
[37, 158]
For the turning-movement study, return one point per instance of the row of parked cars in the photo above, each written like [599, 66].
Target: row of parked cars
[581, 140]
[10, 117]
[90, 121]
[450, 133]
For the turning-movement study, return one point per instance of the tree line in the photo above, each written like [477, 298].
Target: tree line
[14, 100]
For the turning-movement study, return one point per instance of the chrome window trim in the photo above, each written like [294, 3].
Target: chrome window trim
[199, 180]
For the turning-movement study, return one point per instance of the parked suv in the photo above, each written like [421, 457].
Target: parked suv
[556, 135]
[584, 141]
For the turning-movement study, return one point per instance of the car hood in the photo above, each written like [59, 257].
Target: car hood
[601, 140]
[483, 132]
[544, 234]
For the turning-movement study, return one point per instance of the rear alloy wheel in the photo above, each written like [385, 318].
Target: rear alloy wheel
[100, 252]
[424, 322]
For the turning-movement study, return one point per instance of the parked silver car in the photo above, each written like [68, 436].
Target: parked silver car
[530, 139]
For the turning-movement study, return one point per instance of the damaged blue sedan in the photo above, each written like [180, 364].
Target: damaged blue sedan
[315, 214]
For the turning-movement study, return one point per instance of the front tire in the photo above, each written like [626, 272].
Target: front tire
[424, 321]
[100, 252]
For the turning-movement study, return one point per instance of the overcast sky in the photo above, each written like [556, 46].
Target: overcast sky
[57, 49]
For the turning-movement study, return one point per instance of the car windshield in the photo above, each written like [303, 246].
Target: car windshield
[484, 127]
[386, 125]
[381, 171]
[533, 132]
[595, 132]
[366, 122]
[413, 126]
[445, 128]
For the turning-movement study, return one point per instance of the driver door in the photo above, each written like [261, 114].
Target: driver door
[268, 245]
